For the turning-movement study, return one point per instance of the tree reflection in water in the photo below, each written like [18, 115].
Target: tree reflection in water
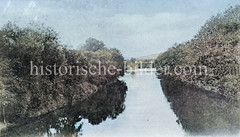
[108, 102]
[201, 112]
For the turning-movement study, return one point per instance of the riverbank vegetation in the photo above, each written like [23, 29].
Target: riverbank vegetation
[107, 103]
[216, 46]
[23, 95]
[137, 63]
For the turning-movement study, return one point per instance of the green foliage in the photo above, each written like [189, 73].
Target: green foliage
[6, 98]
[216, 46]
[177, 55]
[137, 63]
[93, 45]
[36, 95]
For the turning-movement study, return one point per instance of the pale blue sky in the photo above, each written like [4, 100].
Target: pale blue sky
[136, 27]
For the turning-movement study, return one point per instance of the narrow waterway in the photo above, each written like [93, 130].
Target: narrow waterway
[147, 112]
[147, 107]
[178, 111]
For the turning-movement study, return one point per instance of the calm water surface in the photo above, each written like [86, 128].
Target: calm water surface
[147, 113]
[146, 109]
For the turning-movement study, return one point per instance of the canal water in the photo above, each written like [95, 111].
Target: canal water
[147, 112]
[140, 105]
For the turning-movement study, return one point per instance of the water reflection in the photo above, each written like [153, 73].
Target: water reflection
[68, 121]
[201, 112]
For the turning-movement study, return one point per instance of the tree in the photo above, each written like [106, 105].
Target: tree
[93, 44]
[6, 98]
[41, 93]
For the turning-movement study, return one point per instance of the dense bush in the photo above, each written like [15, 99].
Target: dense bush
[216, 46]
[39, 94]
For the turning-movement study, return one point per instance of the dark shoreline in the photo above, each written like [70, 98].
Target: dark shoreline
[201, 112]
[196, 88]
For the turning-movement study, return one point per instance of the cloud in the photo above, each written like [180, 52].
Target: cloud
[137, 35]
[123, 25]
[133, 34]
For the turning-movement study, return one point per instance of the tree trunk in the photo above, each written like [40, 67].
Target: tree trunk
[1, 114]
[4, 115]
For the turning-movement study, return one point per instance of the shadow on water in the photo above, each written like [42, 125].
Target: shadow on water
[108, 102]
[201, 112]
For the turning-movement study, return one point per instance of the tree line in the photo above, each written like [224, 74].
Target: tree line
[24, 95]
[216, 46]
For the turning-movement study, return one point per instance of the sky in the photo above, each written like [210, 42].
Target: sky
[136, 27]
